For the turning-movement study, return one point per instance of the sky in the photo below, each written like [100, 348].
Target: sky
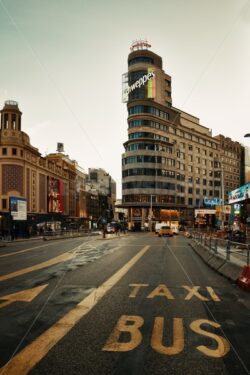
[63, 61]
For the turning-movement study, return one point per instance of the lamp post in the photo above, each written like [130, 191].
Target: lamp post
[151, 210]
[222, 198]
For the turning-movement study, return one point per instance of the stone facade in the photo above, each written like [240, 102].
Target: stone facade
[171, 162]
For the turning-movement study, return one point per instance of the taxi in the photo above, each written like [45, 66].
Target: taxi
[165, 230]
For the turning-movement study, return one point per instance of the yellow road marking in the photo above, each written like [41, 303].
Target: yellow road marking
[25, 360]
[26, 250]
[194, 292]
[51, 262]
[113, 344]
[24, 296]
[223, 345]
[178, 337]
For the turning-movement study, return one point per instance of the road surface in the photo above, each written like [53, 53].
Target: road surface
[134, 304]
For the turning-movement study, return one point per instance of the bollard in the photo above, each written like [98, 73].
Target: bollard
[210, 243]
[248, 255]
[215, 246]
[228, 250]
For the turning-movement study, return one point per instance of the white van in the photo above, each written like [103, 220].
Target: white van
[158, 227]
[175, 229]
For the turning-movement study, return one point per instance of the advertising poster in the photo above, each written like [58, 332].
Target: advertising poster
[18, 208]
[240, 194]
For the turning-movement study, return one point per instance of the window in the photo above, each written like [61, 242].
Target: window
[190, 190]
[197, 191]
[197, 203]
[204, 181]
[190, 179]
[197, 170]
[4, 151]
[188, 136]
[14, 151]
[141, 59]
[190, 158]
[4, 204]
[190, 201]
[190, 147]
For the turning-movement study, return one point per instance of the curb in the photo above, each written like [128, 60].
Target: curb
[225, 268]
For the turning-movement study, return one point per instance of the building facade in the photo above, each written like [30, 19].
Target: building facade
[171, 162]
[53, 188]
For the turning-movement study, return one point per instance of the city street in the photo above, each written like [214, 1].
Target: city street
[129, 304]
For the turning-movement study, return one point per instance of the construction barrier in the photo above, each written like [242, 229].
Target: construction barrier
[244, 279]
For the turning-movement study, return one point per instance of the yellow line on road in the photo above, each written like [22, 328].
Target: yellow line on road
[21, 251]
[29, 249]
[24, 361]
[48, 263]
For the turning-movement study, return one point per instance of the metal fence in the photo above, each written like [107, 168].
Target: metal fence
[232, 251]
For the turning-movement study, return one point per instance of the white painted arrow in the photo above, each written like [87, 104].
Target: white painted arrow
[24, 296]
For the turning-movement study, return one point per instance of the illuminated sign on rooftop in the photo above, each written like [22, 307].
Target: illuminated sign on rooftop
[140, 44]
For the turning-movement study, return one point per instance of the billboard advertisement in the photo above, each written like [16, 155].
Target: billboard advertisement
[138, 85]
[240, 194]
[18, 208]
[55, 195]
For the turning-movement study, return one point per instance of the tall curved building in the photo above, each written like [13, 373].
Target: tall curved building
[171, 162]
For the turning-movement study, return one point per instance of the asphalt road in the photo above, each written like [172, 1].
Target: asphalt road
[136, 304]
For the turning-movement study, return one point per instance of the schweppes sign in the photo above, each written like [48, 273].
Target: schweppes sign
[145, 79]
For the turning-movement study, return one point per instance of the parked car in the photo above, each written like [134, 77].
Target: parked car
[110, 228]
[165, 231]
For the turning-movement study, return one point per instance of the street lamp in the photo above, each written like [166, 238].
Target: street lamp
[247, 135]
[222, 196]
[151, 210]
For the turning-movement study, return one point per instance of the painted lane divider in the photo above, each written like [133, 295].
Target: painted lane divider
[59, 259]
[27, 358]
[24, 296]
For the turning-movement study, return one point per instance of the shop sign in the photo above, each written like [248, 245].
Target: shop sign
[204, 212]
[212, 201]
